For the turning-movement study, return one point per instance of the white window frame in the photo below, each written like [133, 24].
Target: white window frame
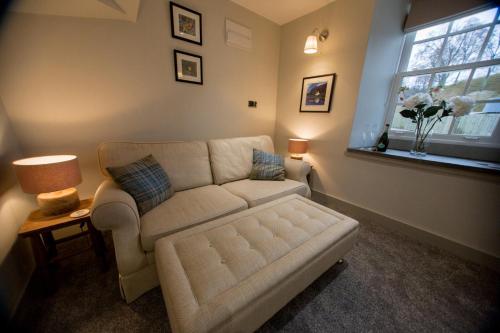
[492, 141]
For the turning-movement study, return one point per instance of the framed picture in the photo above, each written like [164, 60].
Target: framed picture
[317, 93]
[188, 67]
[185, 24]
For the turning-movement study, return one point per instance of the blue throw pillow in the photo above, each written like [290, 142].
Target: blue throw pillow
[267, 166]
[145, 180]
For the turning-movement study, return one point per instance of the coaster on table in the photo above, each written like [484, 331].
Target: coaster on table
[80, 213]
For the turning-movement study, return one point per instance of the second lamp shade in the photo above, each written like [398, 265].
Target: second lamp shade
[297, 146]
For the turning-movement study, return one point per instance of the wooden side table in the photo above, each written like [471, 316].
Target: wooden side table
[39, 227]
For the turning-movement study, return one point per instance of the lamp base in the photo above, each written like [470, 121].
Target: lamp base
[296, 157]
[59, 202]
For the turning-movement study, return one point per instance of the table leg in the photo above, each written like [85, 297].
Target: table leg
[42, 261]
[50, 243]
[98, 245]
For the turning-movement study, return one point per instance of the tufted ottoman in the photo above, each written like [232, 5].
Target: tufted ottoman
[232, 274]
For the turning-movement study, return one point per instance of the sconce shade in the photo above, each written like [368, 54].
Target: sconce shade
[311, 45]
[297, 146]
[48, 173]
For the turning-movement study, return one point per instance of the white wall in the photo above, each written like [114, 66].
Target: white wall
[462, 207]
[384, 48]
[16, 263]
[70, 83]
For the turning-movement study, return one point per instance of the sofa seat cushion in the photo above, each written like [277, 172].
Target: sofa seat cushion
[257, 192]
[185, 209]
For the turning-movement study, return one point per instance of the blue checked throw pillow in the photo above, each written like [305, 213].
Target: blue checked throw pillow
[145, 180]
[267, 166]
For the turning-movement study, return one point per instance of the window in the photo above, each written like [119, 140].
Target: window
[463, 57]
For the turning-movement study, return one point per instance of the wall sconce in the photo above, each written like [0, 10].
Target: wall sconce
[311, 46]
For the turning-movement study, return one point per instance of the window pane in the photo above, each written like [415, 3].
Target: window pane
[443, 127]
[456, 43]
[481, 122]
[412, 84]
[434, 31]
[492, 50]
[474, 20]
[485, 83]
[453, 83]
[400, 123]
[415, 84]
[404, 124]
[425, 55]
[463, 48]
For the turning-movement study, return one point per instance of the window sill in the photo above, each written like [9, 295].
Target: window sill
[441, 149]
[434, 160]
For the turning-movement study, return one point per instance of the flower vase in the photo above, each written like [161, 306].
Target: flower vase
[420, 144]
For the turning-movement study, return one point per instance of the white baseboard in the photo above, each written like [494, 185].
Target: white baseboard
[363, 214]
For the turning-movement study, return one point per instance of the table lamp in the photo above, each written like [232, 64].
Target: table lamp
[53, 178]
[296, 147]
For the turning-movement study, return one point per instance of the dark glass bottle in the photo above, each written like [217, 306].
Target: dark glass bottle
[383, 142]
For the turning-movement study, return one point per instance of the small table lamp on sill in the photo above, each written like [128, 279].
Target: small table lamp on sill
[297, 147]
[53, 178]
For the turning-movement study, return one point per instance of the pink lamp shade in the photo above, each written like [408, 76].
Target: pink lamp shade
[48, 173]
[297, 146]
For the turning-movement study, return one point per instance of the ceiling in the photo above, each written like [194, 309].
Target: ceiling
[278, 11]
[282, 11]
[104, 9]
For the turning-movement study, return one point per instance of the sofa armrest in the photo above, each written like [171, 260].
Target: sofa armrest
[298, 170]
[114, 209]
[110, 201]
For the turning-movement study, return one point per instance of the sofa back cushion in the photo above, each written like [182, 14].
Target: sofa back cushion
[231, 159]
[186, 163]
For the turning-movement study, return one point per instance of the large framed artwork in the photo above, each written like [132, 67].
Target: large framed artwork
[317, 93]
[185, 24]
[188, 67]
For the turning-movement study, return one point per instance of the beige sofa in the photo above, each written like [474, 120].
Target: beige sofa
[210, 180]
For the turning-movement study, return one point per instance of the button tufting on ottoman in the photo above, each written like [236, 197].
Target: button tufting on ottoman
[232, 274]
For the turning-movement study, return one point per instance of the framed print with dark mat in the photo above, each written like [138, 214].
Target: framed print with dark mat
[185, 24]
[317, 93]
[188, 67]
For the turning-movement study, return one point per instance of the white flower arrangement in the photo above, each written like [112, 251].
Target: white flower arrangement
[461, 105]
[418, 99]
[427, 109]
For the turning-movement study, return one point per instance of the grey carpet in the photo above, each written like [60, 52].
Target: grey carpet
[388, 283]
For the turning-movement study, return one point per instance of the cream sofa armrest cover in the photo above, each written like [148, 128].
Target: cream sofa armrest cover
[110, 195]
[114, 209]
[297, 169]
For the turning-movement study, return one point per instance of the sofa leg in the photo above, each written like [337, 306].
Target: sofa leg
[340, 261]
